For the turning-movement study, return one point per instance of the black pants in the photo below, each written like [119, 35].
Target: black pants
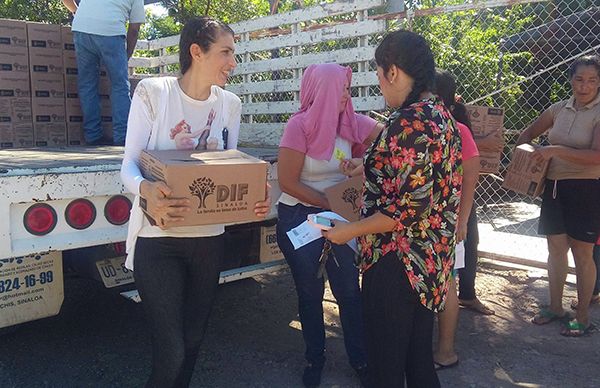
[177, 280]
[466, 275]
[398, 329]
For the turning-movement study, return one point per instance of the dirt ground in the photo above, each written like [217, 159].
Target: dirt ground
[100, 340]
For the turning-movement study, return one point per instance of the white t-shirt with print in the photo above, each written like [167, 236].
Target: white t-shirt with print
[179, 122]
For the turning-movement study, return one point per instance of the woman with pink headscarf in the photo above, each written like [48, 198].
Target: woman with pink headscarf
[307, 165]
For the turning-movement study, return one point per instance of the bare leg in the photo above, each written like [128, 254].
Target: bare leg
[447, 323]
[586, 277]
[558, 246]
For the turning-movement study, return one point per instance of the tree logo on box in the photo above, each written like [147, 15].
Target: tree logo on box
[350, 195]
[202, 188]
[226, 196]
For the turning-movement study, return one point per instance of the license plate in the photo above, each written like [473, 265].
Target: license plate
[113, 272]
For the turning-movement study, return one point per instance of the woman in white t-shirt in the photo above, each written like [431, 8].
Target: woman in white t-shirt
[307, 165]
[177, 268]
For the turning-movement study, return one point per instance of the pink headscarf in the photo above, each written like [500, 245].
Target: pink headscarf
[313, 129]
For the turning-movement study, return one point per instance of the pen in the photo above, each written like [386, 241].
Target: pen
[225, 134]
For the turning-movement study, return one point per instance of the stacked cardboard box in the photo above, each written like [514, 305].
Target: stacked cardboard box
[485, 121]
[39, 99]
[74, 115]
[47, 84]
[16, 129]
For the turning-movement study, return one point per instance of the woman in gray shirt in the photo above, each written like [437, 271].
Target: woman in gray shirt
[570, 215]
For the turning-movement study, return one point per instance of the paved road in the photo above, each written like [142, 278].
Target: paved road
[100, 340]
[253, 340]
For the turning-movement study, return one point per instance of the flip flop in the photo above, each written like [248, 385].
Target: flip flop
[546, 316]
[576, 329]
[595, 300]
[438, 366]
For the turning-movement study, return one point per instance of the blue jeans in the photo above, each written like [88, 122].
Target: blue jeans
[304, 264]
[92, 50]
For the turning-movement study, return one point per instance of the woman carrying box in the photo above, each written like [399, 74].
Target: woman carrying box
[177, 268]
[570, 214]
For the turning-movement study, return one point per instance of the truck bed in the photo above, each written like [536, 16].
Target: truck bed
[34, 161]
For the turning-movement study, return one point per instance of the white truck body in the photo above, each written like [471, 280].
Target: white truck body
[271, 52]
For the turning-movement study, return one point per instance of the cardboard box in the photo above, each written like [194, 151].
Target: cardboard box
[42, 35]
[46, 70]
[48, 110]
[71, 86]
[50, 134]
[13, 33]
[73, 110]
[47, 87]
[525, 175]
[223, 186]
[69, 62]
[16, 128]
[15, 110]
[14, 60]
[16, 135]
[345, 198]
[66, 38]
[49, 125]
[486, 120]
[75, 134]
[269, 250]
[14, 84]
[46, 62]
[74, 117]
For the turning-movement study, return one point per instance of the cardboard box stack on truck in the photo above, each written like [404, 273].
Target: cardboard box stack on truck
[64, 204]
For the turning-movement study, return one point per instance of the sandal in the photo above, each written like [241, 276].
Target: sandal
[595, 300]
[576, 329]
[545, 316]
[477, 306]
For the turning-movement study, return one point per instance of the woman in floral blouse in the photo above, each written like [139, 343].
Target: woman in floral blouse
[413, 176]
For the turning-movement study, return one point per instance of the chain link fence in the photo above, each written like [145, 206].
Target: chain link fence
[514, 57]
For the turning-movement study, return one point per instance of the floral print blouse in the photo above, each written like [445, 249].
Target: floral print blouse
[413, 174]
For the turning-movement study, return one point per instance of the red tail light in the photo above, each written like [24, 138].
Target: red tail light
[80, 214]
[117, 210]
[40, 219]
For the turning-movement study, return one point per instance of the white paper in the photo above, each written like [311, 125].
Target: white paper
[459, 255]
[303, 234]
[306, 233]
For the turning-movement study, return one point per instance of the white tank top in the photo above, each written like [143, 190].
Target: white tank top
[320, 174]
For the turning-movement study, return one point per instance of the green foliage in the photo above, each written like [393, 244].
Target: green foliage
[48, 11]
[468, 45]
[159, 27]
[228, 11]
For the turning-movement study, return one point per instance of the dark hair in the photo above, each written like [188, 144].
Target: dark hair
[410, 52]
[202, 31]
[587, 60]
[445, 88]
